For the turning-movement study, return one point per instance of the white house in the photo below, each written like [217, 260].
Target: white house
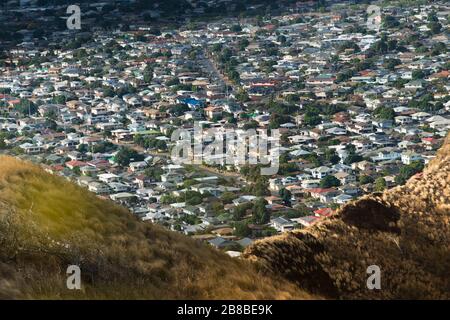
[385, 155]
[321, 172]
[282, 224]
[410, 156]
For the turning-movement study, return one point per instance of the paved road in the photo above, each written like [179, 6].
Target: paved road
[214, 73]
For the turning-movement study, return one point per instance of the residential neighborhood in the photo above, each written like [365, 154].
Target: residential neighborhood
[358, 110]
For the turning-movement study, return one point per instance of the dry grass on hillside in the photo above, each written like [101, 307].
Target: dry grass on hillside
[405, 231]
[47, 223]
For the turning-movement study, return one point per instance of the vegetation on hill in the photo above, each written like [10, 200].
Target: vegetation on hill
[405, 231]
[47, 224]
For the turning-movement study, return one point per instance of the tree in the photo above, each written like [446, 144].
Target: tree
[148, 76]
[331, 156]
[259, 188]
[408, 171]
[178, 109]
[390, 21]
[193, 199]
[243, 44]
[365, 179]
[126, 155]
[26, 107]
[60, 99]
[418, 74]
[329, 181]
[2, 144]
[384, 113]
[349, 45]
[242, 96]
[435, 27]
[240, 211]
[167, 199]
[278, 119]
[228, 197]
[260, 213]
[108, 92]
[236, 28]
[352, 158]
[391, 64]
[380, 184]
[154, 173]
[286, 195]
[217, 207]
[241, 229]
[312, 118]
[433, 23]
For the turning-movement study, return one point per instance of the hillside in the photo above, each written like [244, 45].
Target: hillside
[405, 231]
[47, 223]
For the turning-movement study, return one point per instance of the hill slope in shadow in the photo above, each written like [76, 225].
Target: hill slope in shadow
[405, 231]
[47, 224]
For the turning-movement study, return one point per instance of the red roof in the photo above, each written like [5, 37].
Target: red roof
[324, 212]
[431, 140]
[75, 163]
[99, 163]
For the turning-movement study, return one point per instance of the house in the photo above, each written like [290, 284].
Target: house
[75, 164]
[29, 148]
[172, 177]
[273, 200]
[323, 212]
[88, 170]
[363, 166]
[420, 116]
[414, 85]
[440, 125]
[275, 184]
[309, 183]
[220, 242]
[386, 155]
[118, 187]
[403, 120]
[123, 197]
[321, 172]
[137, 166]
[383, 124]
[108, 177]
[336, 131]
[282, 224]
[245, 242]
[191, 229]
[322, 79]
[323, 194]
[98, 188]
[409, 156]
[154, 114]
[345, 178]
[244, 199]
[342, 198]
[307, 221]
[213, 112]
[142, 181]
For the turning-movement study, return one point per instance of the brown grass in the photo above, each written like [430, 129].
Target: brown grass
[47, 223]
[405, 231]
